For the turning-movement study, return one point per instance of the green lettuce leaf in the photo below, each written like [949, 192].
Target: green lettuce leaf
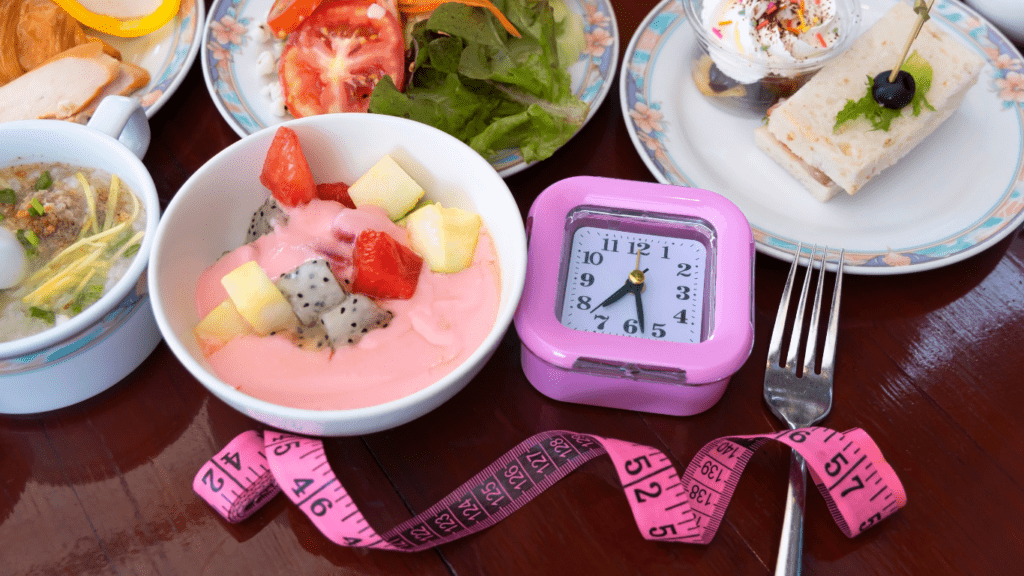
[491, 90]
[881, 117]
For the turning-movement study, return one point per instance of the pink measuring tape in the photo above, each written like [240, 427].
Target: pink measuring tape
[860, 487]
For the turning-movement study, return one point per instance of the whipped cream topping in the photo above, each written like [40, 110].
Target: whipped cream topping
[750, 39]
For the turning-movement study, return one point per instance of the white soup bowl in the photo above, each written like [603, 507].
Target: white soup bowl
[95, 349]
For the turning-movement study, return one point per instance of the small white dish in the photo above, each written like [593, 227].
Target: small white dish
[94, 350]
[211, 212]
[229, 57]
[959, 192]
[167, 53]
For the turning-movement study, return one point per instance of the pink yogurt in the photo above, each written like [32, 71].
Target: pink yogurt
[431, 334]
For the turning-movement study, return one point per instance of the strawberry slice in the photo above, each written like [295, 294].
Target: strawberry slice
[285, 171]
[384, 268]
[337, 191]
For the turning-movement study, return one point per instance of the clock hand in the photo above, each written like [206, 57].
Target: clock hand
[618, 294]
[639, 305]
[635, 284]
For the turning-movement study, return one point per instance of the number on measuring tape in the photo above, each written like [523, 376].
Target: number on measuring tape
[237, 480]
[859, 486]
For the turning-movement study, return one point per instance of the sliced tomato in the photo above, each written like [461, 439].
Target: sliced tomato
[384, 268]
[286, 172]
[337, 191]
[333, 60]
[286, 15]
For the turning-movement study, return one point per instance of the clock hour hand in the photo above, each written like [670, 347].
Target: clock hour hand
[618, 294]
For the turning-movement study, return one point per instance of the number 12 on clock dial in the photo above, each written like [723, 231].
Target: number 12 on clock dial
[634, 284]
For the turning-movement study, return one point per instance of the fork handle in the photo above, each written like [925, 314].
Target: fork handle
[792, 542]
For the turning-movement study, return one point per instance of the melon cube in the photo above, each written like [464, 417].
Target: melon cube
[445, 237]
[388, 186]
[221, 325]
[258, 300]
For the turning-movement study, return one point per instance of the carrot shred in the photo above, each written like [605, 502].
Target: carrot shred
[415, 7]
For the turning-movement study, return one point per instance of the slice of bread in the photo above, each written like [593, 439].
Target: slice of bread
[130, 78]
[802, 126]
[817, 183]
[58, 89]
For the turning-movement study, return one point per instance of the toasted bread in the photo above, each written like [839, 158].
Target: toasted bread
[800, 134]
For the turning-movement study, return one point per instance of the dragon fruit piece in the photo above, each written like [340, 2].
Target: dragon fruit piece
[349, 321]
[310, 337]
[264, 219]
[311, 288]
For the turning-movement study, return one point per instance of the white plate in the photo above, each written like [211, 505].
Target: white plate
[230, 53]
[957, 193]
[166, 54]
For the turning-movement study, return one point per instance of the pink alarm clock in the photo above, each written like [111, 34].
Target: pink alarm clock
[638, 295]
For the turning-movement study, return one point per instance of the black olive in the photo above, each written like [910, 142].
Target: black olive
[893, 95]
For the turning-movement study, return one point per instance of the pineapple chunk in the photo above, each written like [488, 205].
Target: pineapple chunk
[388, 186]
[444, 237]
[405, 219]
[222, 324]
[258, 300]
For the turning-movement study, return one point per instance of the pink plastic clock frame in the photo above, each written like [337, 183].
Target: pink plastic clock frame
[550, 350]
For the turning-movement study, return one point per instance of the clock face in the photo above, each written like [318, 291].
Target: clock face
[601, 296]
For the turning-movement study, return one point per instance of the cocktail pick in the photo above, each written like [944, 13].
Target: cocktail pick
[895, 88]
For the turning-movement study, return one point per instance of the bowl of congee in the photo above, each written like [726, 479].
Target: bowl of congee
[354, 272]
[78, 211]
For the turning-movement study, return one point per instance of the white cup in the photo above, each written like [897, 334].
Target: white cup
[94, 350]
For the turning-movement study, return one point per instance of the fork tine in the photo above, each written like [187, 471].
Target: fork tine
[828, 358]
[810, 351]
[775, 345]
[798, 321]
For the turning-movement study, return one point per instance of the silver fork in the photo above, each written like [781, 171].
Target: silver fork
[801, 400]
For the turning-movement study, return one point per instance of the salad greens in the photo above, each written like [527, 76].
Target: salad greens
[475, 81]
[881, 117]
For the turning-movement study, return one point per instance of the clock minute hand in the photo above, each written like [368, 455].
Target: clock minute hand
[635, 284]
[637, 288]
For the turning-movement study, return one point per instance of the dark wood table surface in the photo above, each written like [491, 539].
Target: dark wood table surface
[930, 364]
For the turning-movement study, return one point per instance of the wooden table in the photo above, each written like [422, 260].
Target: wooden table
[929, 364]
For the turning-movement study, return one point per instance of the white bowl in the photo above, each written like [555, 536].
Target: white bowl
[94, 350]
[211, 212]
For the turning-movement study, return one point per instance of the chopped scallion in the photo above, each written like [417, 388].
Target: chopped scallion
[132, 250]
[90, 294]
[44, 181]
[35, 208]
[45, 315]
[7, 196]
[29, 240]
